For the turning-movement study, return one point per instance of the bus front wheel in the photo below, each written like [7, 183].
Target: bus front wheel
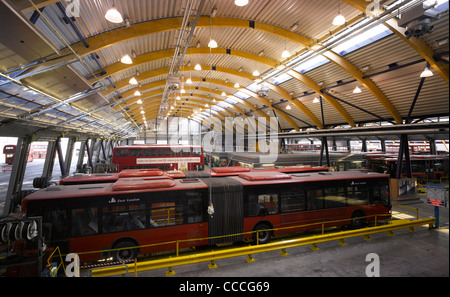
[358, 220]
[262, 236]
[121, 254]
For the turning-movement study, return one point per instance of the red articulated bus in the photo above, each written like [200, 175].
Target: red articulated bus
[164, 157]
[135, 212]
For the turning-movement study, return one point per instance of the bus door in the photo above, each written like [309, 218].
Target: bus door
[228, 216]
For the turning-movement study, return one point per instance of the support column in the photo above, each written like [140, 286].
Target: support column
[81, 156]
[433, 150]
[49, 159]
[89, 152]
[383, 145]
[69, 154]
[404, 149]
[60, 157]
[18, 172]
[322, 148]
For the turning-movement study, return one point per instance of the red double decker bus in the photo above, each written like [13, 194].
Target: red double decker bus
[140, 213]
[164, 157]
[9, 151]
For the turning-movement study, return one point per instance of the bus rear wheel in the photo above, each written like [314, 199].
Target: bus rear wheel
[122, 254]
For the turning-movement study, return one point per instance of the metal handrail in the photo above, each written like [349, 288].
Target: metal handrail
[250, 250]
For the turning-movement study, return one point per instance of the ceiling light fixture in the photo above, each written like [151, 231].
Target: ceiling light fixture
[241, 2]
[137, 93]
[316, 100]
[426, 72]
[133, 81]
[198, 67]
[139, 101]
[189, 81]
[126, 59]
[285, 54]
[212, 44]
[256, 73]
[339, 20]
[113, 15]
[357, 90]
[237, 86]
[288, 107]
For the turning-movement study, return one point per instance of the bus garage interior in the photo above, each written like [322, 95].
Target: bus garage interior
[223, 128]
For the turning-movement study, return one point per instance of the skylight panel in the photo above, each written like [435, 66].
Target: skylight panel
[362, 39]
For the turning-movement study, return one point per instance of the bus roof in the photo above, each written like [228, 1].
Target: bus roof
[264, 178]
[134, 146]
[122, 186]
[140, 185]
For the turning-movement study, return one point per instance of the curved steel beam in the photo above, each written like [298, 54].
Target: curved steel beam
[145, 58]
[157, 26]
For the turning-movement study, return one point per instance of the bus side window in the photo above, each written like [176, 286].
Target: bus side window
[194, 207]
[121, 152]
[380, 193]
[123, 218]
[314, 199]
[357, 195]
[196, 151]
[56, 220]
[136, 153]
[166, 214]
[263, 204]
[84, 221]
[292, 200]
[334, 197]
[149, 152]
